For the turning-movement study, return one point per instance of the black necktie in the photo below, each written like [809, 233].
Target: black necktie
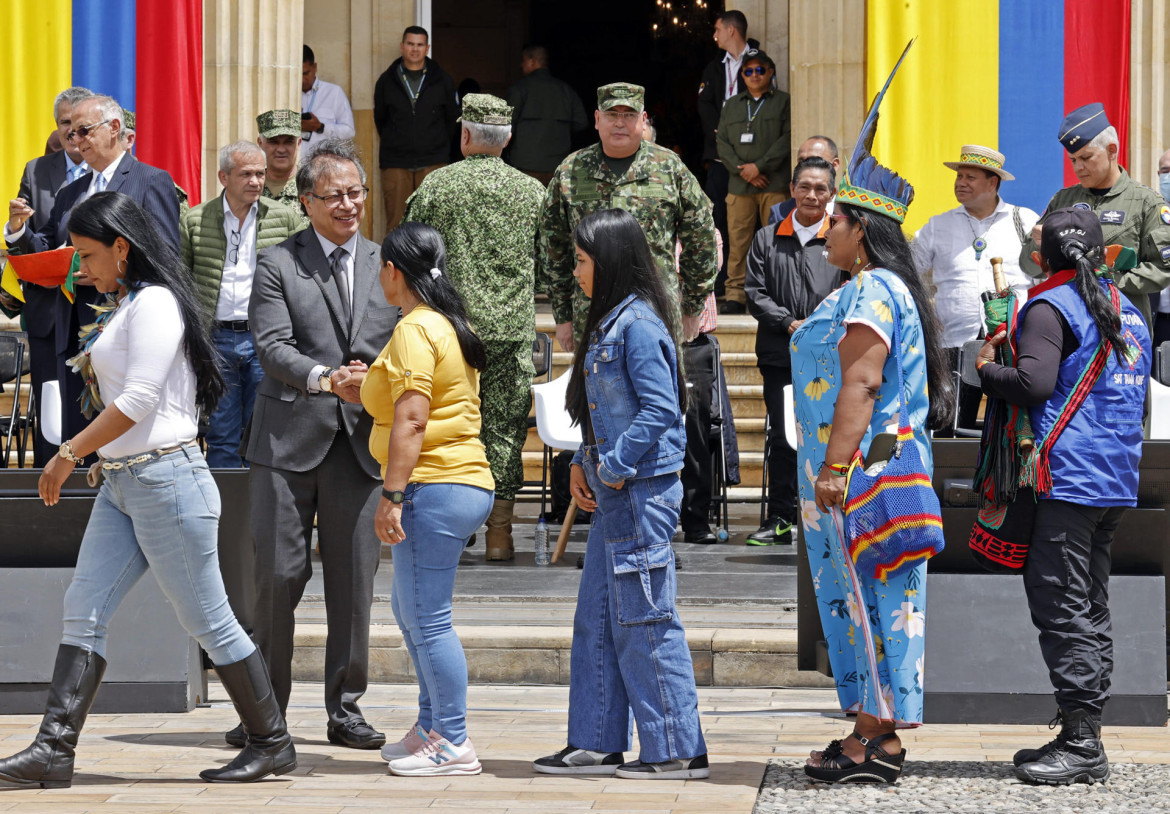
[337, 265]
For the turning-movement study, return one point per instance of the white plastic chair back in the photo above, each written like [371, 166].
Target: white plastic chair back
[790, 418]
[50, 418]
[1159, 411]
[553, 424]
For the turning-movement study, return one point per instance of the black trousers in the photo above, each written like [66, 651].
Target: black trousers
[781, 457]
[1161, 328]
[343, 498]
[716, 189]
[1066, 578]
[969, 398]
[699, 362]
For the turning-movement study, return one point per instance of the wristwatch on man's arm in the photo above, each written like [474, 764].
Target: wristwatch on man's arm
[324, 381]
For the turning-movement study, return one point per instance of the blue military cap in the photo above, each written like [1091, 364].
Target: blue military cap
[1082, 125]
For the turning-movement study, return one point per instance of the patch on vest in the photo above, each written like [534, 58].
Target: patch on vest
[1164, 214]
[1133, 348]
[1166, 254]
[1113, 216]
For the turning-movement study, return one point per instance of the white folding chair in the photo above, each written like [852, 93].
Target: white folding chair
[554, 427]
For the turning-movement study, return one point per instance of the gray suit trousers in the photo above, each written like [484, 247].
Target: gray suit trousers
[343, 498]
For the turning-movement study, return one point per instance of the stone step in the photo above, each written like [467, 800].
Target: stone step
[751, 467]
[520, 654]
[736, 333]
[749, 432]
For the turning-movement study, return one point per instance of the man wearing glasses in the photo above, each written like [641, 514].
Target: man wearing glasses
[97, 132]
[220, 239]
[315, 306]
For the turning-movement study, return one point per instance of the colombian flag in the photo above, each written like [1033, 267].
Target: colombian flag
[147, 54]
[1001, 73]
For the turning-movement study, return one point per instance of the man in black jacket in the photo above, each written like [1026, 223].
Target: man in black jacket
[547, 112]
[415, 111]
[787, 276]
[721, 80]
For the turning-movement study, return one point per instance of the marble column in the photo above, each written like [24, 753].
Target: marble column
[1149, 81]
[251, 63]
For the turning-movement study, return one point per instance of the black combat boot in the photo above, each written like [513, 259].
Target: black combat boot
[269, 749]
[1029, 755]
[48, 763]
[1076, 756]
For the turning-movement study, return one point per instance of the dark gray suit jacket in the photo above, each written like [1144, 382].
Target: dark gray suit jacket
[296, 320]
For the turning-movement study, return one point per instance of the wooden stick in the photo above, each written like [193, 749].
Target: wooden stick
[563, 537]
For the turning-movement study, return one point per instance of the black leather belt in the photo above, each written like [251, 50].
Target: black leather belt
[239, 326]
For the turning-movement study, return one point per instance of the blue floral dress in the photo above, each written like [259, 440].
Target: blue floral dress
[874, 629]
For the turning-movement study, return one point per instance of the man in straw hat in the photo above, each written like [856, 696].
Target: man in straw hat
[956, 248]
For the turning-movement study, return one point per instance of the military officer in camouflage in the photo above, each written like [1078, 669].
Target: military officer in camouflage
[649, 182]
[487, 213]
[1130, 214]
[280, 138]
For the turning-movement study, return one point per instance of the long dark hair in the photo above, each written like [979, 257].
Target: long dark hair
[622, 265]
[886, 247]
[107, 216]
[415, 249]
[1086, 259]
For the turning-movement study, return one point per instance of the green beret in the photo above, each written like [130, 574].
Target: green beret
[279, 122]
[621, 93]
[483, 108]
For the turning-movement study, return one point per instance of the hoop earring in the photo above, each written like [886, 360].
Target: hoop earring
[121, 266]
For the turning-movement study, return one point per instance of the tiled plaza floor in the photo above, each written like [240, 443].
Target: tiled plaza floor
[145, 763]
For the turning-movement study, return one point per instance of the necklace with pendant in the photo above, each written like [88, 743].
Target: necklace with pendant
[979, 244]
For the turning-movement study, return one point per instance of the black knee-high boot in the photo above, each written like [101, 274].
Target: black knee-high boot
[48, 763]
[269, 749]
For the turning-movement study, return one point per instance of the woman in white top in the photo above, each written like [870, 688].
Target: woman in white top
[149, 361]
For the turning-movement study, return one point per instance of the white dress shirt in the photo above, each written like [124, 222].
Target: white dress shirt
[806, 233]
[731, 66]
[328, 247]
[330, 105]
[235, 286]
[106, 175]
[944, 245]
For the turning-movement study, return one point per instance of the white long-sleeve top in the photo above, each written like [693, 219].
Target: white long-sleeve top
[141, 368]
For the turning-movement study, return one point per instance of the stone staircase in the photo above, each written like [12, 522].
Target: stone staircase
[737, 342]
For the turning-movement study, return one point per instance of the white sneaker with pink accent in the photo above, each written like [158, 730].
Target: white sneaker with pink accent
[438, 756]
[414, 740]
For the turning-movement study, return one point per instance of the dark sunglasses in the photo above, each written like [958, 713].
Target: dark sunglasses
[84, 132]
[759, 70]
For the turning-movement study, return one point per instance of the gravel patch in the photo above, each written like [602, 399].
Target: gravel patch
[964, 786]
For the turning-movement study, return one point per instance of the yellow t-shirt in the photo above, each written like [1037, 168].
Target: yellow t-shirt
[424, 355]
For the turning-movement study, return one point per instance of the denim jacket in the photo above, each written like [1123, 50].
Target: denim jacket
[631, 380]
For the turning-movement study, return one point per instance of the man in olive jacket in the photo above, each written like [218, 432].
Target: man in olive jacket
[219, 240]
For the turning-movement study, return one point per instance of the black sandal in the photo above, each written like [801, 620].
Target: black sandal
[879, 765]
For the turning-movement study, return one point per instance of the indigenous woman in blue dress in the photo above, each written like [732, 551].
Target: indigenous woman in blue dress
[845, 385]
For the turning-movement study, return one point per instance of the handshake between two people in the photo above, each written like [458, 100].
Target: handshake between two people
[347, 381]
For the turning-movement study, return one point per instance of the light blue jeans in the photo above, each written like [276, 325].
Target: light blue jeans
[629, 647]
[162, 514]
[437, 519]
[241, 371]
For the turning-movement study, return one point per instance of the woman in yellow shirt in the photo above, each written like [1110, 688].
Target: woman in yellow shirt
[423, 393]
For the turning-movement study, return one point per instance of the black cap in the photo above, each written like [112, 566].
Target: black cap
[759, 56]
[1067, 234]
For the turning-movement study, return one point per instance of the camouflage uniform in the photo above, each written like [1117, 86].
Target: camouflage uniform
[283, 122]
[1131, 215]
[487, 214]
[658, 190]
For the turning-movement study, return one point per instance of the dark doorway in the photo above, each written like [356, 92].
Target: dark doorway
[590, 44]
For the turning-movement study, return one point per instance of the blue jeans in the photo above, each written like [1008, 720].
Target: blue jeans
[241, 371]
[162, 514]
[437, 519]
[629, 648]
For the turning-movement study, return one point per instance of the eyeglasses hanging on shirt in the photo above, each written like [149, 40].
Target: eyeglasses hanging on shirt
[234, 252]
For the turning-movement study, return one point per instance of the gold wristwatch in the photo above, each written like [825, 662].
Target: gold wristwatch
[325, 383]
[66, 451]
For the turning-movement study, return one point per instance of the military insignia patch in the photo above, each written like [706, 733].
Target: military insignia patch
[1082, 206]
[1164, 214]
[1113, 216]
[703, 87]
[1166, 254]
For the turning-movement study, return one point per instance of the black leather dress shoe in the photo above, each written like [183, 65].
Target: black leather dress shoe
[702, 536]
[733, 307]
[356, 734]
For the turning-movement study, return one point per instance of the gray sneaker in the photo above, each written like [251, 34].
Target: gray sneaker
[572, 760]
[694, 768]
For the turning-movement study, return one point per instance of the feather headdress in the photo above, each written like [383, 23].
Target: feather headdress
[865, 182]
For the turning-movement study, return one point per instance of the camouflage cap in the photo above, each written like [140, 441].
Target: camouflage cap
[279, 122]
[621, 93]
[127, 119]
[483, 108]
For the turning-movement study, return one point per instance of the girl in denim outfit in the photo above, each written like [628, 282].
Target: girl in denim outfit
[629, 648]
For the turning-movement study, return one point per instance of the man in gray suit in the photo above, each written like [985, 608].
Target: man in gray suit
[43, 178]
[316, 305]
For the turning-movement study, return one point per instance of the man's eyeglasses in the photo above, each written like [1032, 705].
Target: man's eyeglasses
[759, 70]
[85, 131]
[627, 116]
[234, 252]
[355, 195]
